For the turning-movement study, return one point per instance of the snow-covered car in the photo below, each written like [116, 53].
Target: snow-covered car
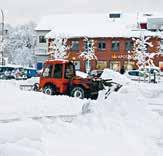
[6, 72]
[114, 76]
[152, 72]
[136, 75]
[81, 74]
[30, 72]
[17, 72]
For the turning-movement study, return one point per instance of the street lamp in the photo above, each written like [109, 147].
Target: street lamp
[2, 35]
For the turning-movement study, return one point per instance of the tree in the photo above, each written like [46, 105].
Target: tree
[89, 53]
[59, 48]
[140, 51]
[2, 47]
[142, 55]
[20, 45]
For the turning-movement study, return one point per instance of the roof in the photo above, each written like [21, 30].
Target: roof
[51, 21]
[91, 25]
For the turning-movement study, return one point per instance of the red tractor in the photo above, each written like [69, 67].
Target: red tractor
[59, 77]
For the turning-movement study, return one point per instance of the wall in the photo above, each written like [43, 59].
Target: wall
[41, 48]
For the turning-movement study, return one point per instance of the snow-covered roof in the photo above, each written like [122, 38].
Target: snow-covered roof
[112, 31]
[49, 22]
[91, 25]
[90, 30]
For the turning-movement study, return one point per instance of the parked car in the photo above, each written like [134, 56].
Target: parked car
[17, 72]
[136, 75]
[30, 72]
[6, 72]
[152, 72]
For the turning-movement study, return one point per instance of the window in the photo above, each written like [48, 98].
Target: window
[133, 73]
[77, 65]
[115, 45]
[101, 64]
[115, 65]
[129, 65]
[58, 71]
[75, 45]
[70, 71]
[101, 45]
[87, 44]
[143, 25]
[47, 71]
[128, 45]
[42, 39]
[114, 15]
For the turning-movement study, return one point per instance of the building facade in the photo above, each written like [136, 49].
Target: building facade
[111, 53]
[41, 50]
[112, 36]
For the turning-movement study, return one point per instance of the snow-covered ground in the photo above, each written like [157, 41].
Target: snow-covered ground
[126, 123]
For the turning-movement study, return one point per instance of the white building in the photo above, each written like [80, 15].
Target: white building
[3, 54]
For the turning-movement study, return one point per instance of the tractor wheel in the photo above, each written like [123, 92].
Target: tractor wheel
[77, 92]
[49, 90]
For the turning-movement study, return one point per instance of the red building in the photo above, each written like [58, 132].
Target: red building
[111, 52]
[112, 34]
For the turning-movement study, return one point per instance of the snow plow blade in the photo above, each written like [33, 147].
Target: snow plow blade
[106, 84]
[111, 87]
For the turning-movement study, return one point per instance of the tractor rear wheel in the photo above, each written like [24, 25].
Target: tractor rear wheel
[49, 90]
[78, 92]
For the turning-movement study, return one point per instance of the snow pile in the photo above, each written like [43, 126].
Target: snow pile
[115, 76]
[30, 81]
[17, 104]
[81, 74]
[116, 126]
[21, 138]
[123, 124]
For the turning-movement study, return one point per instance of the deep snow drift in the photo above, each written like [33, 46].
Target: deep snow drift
[122, 124]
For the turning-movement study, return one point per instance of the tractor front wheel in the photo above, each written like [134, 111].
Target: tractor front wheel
[77, 92]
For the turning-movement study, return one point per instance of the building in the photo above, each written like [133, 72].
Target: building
[3, 36]
[112, 33]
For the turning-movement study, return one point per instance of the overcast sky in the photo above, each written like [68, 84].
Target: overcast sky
[22, 11]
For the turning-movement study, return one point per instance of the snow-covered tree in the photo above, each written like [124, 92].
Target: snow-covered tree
[59, 48]
[88, 53]
[142, 55]
[2, 47]
[140, 51]
[20, 46]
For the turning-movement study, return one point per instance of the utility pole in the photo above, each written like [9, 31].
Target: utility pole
[2, 39]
